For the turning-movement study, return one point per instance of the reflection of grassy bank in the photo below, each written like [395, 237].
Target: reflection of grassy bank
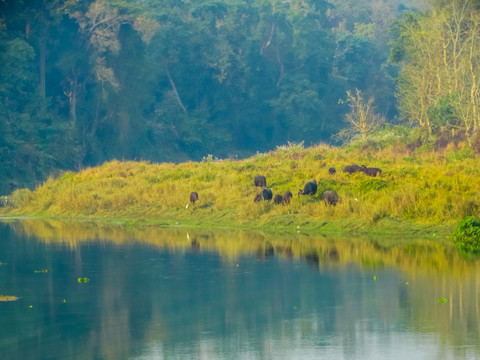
[371, 253]
[339, 304]
[415, 194]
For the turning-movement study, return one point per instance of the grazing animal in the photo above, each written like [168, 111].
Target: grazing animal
[372, 171]
[260, 181]
[332, 171]
[309, 189]
[278, 199]
[193, 197]
[331, 198]
[265, 194]
[287, 196]
[353, 168]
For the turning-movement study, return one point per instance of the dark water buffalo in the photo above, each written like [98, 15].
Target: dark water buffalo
[309, 189]
[278, 199]
[265, 194]
[193, 197]
[260, 181]
[373, 171]
[332, 171]
[331, 197]
[287, 196]
[350, 169]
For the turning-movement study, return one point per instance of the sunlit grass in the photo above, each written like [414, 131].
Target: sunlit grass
[420, 188]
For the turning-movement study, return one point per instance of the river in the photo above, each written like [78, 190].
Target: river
[91, 291]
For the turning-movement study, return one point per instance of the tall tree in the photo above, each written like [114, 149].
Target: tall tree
[438, 85]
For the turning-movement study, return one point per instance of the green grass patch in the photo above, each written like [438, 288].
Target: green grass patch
[424, 190]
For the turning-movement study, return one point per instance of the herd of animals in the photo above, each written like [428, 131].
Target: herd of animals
[330, 197]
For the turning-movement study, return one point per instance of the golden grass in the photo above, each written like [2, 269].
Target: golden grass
[423, 188]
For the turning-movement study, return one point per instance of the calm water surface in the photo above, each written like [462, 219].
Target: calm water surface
[178, 294]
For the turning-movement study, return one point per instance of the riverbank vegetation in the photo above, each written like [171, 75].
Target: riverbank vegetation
[230, 78]
[84, 82]
[416, 191]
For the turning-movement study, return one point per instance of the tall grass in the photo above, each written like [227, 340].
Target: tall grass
[415, 188]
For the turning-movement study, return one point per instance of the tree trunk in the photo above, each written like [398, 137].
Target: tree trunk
[43, 53]
[172, 83]
[73, 101]
[43, 62]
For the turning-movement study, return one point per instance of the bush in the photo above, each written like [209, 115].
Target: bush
[465, 153]
[467, 235]
[21, 197]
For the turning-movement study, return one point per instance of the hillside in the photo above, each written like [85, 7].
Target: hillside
[427, 192]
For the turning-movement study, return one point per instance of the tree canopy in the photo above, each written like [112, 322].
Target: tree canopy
[84, 81]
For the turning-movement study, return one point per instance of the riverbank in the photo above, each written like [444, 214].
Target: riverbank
[421, 193]
[334, 227]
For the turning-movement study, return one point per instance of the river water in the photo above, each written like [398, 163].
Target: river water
[184, 294]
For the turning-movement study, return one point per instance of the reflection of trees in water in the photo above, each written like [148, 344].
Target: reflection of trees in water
[206, 303]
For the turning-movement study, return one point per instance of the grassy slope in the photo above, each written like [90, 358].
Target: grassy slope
[427, 192]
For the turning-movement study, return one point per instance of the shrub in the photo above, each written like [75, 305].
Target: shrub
[465, 153]
[466, 237]
[21, 197]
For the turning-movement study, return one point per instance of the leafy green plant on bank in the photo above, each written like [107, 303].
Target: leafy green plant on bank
[467, 235]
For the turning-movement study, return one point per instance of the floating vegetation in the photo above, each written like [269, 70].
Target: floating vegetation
[44, 271]
[442, 300]
[83, 280]
[8, 298]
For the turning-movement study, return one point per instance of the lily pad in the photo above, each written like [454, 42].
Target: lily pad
[42, 271]
[8, 298]
[83, 280]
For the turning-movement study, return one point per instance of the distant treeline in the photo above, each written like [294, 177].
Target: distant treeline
[82, 82]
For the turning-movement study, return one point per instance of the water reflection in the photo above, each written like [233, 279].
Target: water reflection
[179, 293]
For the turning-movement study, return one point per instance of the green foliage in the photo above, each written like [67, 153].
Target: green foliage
[443, 113]
[467, 235]
[438, 93]
[172, 81]
[325, 185]
[406, 194]
[368, 185]
[385, 137]
[21, 197]
[465, 153]
[379, 215]
[290, 149]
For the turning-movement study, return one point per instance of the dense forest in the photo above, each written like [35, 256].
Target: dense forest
[83, 81]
